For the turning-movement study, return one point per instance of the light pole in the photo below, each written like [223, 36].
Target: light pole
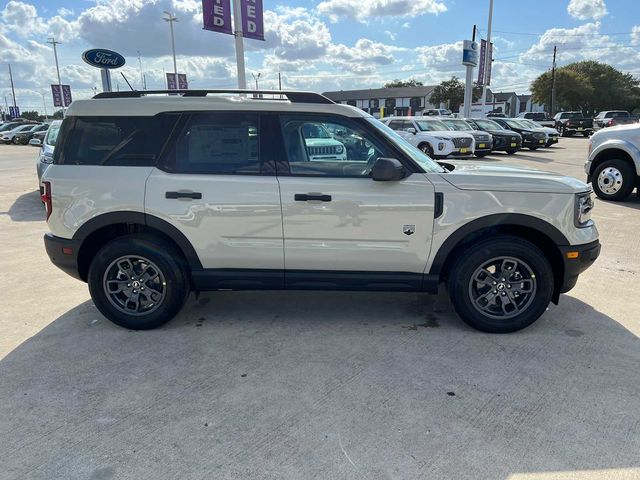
[237, 27]
[170, 17]
[52, 41]
[487, 58]
[141, 74]
[256, 77]
[44, 104]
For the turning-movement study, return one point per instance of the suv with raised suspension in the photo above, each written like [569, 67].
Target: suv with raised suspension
[151, 196]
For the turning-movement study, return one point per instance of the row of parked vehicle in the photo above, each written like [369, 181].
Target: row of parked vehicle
[442, 137]
[576, 123]
[22, 132]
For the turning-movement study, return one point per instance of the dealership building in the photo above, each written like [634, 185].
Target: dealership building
[386, 102]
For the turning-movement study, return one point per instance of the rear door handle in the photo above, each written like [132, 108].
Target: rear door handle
[192, 195]
[305, 197]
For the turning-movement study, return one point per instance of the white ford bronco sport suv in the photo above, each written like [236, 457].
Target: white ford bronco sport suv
[152, 196]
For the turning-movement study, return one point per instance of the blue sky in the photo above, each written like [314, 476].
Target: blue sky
[317, 45]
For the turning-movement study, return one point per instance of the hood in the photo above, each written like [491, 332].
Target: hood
[447, 133]
[503, 133]
[504, 178]
[322, 142]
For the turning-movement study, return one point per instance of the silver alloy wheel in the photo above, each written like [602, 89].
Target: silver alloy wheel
[134, 285]
[610, 180]
[502, 287]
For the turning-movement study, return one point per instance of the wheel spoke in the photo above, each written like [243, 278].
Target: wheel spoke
[483, 301]
[526, 285]
[126, 267]
[508, 267]
[485, 277]
[120, 286]
[148, 273]
[132, 304]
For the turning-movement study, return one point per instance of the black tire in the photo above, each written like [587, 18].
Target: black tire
[533, 148]
[627, 180]
[169, 262]
[426, 148]
[481, 154]
[511, 151]
[474, 257]
[585, 134]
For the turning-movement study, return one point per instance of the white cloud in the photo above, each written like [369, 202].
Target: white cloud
[362, 10]
[635, 35]
[587, 9]
[391, 35]
[22, 18]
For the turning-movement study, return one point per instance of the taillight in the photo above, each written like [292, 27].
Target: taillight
[46, 198]
[610, 122]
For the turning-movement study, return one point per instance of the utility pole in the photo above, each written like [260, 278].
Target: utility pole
[141, 74]
[44, 104]
[52, 41]
[256, 77]
[553, 83]
[170, 17]
[237, 24]
[279, 82]
[487, 58]
[13, 91]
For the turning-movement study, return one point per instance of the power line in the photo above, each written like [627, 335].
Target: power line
[563, 34]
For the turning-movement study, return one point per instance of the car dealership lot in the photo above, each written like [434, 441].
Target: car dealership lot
[316, 385]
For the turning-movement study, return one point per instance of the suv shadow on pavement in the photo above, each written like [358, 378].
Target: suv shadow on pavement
[27, 208]
[326, 385]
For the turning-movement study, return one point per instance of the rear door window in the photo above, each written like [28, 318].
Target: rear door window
[124, 141]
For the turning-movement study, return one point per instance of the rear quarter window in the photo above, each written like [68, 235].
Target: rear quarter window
[122, 141]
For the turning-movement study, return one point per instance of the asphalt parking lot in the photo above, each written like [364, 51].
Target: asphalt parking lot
[304, 385]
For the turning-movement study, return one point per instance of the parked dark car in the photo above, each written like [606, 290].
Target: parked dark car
[532, 139]
[23, 138]
[568, 123]
[496, 115]
[45, 158]
[483, 140]
[611, 118]
[503, 140]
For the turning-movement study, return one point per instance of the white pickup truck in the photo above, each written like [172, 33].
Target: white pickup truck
[613, 165]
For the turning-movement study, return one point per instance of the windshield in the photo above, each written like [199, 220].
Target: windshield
[52, 134]
[431, 125]
[515, 123]
[422, 159]
[457, 124]
[529, 124]
[8, 126]
[571, 115]
[488, 125]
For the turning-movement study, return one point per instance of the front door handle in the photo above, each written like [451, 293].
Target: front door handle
[192, 195]
[305, 197]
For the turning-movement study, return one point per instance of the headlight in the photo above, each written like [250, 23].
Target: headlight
[339, 149]
[441, 146]
[584, 205]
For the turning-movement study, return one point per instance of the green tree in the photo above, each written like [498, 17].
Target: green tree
[573, 90]
[403, 83]
[451, 93]
[590, 86]
[58, 115]
[30, 115]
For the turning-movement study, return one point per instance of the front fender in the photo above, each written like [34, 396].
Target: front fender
[617, 144]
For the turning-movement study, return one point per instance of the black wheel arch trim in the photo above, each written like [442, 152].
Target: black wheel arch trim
[496, 220]
[139, 218]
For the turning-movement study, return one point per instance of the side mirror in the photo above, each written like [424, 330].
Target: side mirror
[411, 130]
[387, 170]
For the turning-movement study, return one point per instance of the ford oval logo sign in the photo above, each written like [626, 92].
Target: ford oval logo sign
[102, 58]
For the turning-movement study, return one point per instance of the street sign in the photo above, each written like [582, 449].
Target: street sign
[182, 81]
[61, 99]
[103, 58]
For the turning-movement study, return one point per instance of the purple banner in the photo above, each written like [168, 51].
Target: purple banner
[252, 23]
[66, 95]
[216, 15]
[489, 63]
[483, 55]
[182, 81]
[14, 112]
[61, 99]
[57, 97]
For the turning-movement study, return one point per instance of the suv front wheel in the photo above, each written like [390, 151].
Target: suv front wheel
[138, 282]
[501, 285]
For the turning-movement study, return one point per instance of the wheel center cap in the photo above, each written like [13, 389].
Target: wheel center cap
[135, 284]
[501, 286]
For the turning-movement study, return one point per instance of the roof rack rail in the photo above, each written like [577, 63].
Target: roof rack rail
[292, 96]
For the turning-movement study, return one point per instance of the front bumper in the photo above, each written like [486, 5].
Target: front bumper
[573, 267]
[505, 143]
[63, 253]
[533, 142]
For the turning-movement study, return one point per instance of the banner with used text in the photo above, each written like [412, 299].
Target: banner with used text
[217, 15]
[252, 19]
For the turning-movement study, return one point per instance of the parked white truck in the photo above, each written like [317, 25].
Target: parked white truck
[613, 165]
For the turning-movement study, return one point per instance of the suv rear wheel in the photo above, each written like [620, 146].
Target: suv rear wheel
[501, 285]
[613, 179]
[138, 282]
